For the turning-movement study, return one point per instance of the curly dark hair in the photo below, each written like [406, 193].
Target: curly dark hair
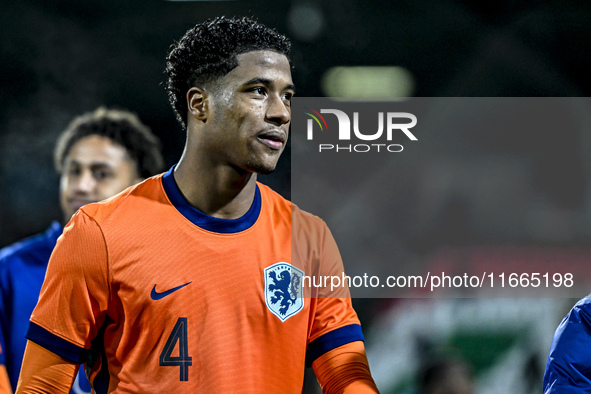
[209, 51]
[121, 127]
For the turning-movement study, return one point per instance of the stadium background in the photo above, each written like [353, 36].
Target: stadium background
[62, 58]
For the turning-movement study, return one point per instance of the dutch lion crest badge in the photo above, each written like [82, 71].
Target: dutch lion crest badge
[283, 290]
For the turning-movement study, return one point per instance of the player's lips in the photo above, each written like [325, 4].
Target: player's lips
[274, 139]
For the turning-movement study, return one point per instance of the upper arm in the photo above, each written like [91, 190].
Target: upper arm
[334, 322]
[77, 270]
[45, 372]
[335, 340]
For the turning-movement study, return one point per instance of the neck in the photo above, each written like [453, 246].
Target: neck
[222, 192]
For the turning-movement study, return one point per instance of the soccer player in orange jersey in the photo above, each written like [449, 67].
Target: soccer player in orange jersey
[192, 281]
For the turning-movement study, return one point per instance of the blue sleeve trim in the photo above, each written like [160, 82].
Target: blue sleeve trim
[55, 344]
[332, 340]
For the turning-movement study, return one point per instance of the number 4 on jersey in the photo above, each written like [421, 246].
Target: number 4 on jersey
[179, 334]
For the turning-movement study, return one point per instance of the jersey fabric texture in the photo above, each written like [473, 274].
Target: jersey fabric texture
[22, 269]
[568, 369]
[168, 299]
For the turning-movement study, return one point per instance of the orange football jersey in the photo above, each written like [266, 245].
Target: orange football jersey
[155, 296]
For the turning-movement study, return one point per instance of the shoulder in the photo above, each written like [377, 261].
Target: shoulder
[309, 234]
[573, 335]
[274, 206]
[300, 219]
[113, 224]
[579, 314]
[307, 225]
[134, 199]
[272, 198]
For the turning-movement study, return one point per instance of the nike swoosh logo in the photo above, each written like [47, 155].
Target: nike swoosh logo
[158, 296]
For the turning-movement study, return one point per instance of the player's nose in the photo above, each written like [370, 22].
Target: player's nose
[85, 183]
[278, 111]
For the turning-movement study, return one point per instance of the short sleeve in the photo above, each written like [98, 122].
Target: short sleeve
[334, 321]
[75, 295]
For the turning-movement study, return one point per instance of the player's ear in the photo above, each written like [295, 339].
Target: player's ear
[197, 102]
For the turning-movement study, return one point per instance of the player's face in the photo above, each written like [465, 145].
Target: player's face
[250, 112]
[95, 168]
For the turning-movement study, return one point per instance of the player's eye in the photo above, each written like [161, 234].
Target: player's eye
[102, 174]
[259, 90]
[73, 171]
[287, 97]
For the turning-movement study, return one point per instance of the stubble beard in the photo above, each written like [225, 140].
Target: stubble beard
[260, 168]
[263, 164]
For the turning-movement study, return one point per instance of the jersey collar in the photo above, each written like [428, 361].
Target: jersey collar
[206, 222]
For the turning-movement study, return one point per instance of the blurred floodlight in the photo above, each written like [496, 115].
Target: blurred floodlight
[305, 21]
[362, 83]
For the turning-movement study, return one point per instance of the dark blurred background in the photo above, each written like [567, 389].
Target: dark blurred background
[62, 58]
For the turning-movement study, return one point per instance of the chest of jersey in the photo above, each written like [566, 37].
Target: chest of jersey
[193, 305]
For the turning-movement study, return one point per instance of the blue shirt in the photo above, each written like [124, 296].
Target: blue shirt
[568, 369]
[22, 271]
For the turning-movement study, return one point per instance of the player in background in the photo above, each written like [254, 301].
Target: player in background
[568, 368]
[98, 155]
[189, 282]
